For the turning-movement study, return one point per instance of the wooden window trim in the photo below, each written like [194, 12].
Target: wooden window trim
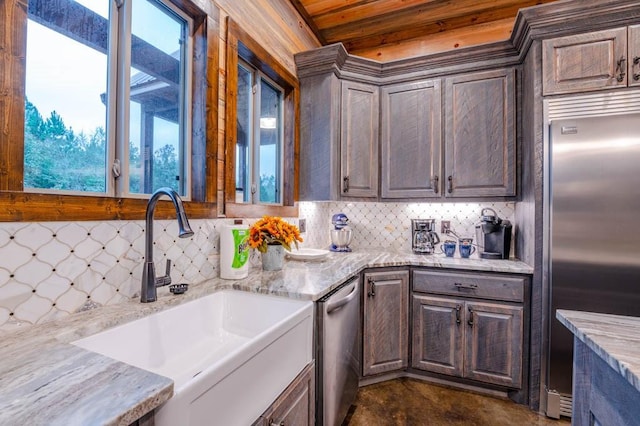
[241, 43]
[26, 206]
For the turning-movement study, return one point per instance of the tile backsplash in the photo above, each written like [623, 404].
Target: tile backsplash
[389, 224]
[52, 269]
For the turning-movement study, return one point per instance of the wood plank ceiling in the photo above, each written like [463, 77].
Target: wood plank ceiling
[393, 29]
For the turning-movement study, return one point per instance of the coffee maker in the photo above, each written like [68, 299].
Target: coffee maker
[424, 237]
[493, 235]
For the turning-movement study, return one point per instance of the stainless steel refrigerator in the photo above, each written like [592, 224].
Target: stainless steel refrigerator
[594, 226]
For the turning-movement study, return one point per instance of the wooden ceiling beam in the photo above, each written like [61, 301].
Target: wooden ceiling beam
[348, 26]
[356, 36]
[306, 17]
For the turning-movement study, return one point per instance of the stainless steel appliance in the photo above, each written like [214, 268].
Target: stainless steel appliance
[338, 353]
[423, 235]
[493, 235]
[341, 233]
[593, 229]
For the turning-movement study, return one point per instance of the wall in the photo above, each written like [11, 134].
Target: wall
[53, 269]
[277, 26]
[388, 225]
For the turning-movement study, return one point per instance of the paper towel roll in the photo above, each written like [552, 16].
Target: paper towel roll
[234, 251]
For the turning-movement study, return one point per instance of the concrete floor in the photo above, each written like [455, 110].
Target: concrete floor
[409, 402]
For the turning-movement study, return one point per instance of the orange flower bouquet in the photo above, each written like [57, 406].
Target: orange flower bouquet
[273, 230]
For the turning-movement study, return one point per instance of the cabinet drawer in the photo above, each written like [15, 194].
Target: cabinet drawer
[485, 286]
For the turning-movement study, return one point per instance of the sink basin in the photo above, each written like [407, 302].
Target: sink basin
[230, 354]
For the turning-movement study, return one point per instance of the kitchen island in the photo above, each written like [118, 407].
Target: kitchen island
[46, 380]
[606, 368]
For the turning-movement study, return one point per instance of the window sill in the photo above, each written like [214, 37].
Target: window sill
[256, 210]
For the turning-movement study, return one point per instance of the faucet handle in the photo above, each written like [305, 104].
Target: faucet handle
[166, 280]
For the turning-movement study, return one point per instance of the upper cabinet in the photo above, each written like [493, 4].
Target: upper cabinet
[411, 139]
[359, 113]
[405, 138]
[592, 61]
[480, 134]
[339, 139]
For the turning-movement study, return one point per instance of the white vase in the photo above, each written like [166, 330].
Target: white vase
[273, 259]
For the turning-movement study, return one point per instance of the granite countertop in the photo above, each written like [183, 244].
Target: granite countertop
[615, 338]
[46, 380]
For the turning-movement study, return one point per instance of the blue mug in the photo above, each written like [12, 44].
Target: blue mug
[448, 248]
[466, 247]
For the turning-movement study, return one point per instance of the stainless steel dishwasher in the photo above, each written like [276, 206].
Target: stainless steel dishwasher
[338, 353]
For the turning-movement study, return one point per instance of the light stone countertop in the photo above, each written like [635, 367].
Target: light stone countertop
[614, 338]
[45, 380]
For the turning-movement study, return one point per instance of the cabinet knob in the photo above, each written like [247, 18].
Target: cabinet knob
[436, 182]
[636, 62]
[470, 320]
[450, 184]
[345, 186]
[620, 69]
[458, 308]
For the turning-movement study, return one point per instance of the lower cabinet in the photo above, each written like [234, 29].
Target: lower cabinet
[385, 324]
[455, 333]
[476, 340]
[296, 405]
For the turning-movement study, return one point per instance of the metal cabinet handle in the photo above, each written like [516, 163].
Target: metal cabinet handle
[274, 423]
[450, 184]
[334, 306]
[620, 70]
[636, 61]
[436, 182]
[470, 320]
[345, 186]
[461, 286]
[458, 308]
[372, 288]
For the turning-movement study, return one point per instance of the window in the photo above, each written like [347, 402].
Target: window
[107, 89]
[259, 138]
[261, 130]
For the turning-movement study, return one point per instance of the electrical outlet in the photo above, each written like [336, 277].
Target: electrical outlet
[445, 226]
[302, 225]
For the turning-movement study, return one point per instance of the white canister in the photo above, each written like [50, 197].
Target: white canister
[234, 251]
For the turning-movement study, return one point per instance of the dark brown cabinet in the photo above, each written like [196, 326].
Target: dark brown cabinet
[359, 139]
[592, 61]
[480, 134]
[459, 336]
[386, 315]
[411, 139]
[296, 405]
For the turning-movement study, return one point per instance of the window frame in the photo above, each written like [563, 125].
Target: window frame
[258, 77]
[20, 205]
[241, 44]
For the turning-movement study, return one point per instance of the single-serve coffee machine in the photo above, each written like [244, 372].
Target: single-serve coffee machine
[424, 236]
[493, 235]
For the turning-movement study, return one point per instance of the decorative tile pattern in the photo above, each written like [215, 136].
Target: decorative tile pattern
[388, 225]
[53, 269]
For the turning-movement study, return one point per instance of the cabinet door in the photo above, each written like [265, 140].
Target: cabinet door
[634, 56]
[411, 140]
[480, 154]
[386, 303]
[438, 331]
[585, 62]
[296, 405]
[359, 139]
[493, 343]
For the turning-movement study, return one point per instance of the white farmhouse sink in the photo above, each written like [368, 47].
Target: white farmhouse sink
[230, 354]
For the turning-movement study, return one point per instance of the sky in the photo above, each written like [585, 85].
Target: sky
[69, 77]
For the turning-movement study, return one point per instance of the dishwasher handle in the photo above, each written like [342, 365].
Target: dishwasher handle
[333, 306]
